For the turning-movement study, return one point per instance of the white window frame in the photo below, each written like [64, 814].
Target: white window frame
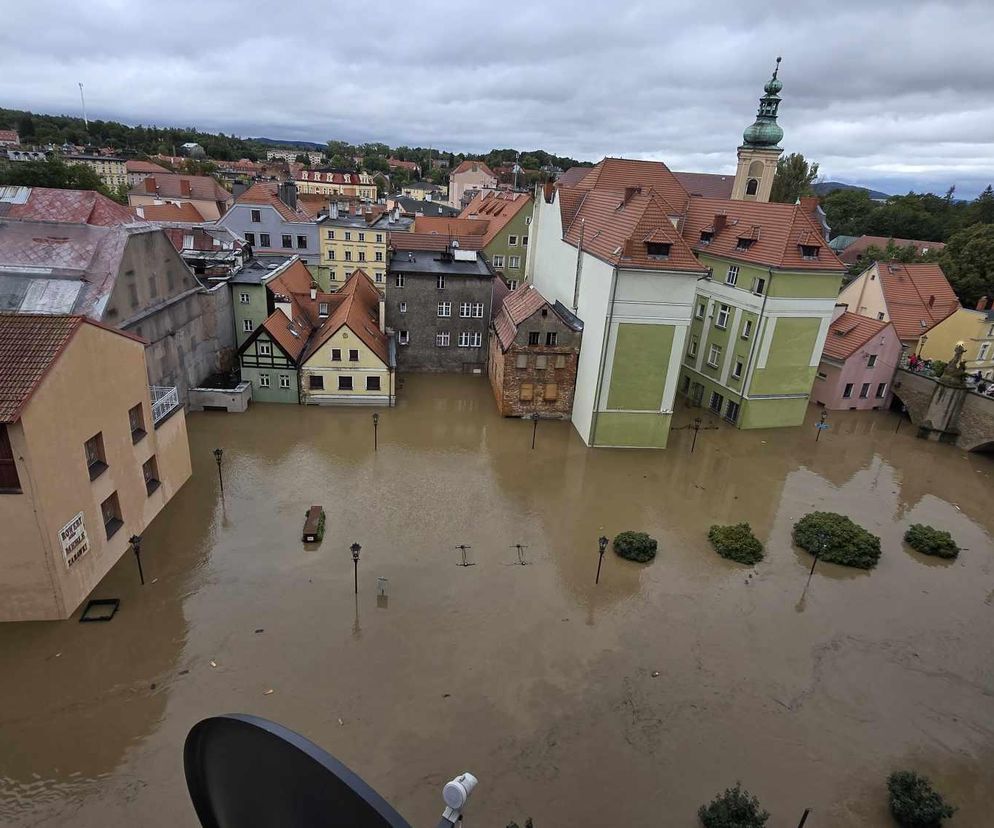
[445, 309]
[284, 380]
[477, 340]
[732, 276]
[747, 329]
[402, 307]
[465, 310]
[871, 360]
[399, 280]
[512, 241]
[403, 337]
[983, 352]
[737, 369]
[758, 285]
[265, 348]
[478, 310]
[442, 339]
[244, 298]
[702, 310]
[264, 380]
[514, 262]
[692, 348]
[721, 318]
[881, 390]
[464, 339]
[440, 281]
[498, 260]
[247, 326]
[714, 355]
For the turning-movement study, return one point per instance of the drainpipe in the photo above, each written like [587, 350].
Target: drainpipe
[747, 379]
[579, 269]
[609, 317]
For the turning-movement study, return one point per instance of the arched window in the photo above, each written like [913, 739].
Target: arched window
[752, 186]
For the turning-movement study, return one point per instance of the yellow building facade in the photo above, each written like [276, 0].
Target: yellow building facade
[347, 243]
[112, 171]
[330, 182]
[971, 327]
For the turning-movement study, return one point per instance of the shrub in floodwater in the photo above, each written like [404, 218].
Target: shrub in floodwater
[914, 802]
[931, 541]
[528, 824]
[319, 532]
[736, 542]
[636, 546]
[735, 808]
[836, 539]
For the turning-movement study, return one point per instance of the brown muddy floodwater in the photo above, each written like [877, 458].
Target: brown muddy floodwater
[530, 676]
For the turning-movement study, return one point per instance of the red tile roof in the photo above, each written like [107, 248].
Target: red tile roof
[618, 173]
[918, 296]
[849, 333]
[572, 176]
[498, 208]
[267, 192]
[775, 230]
[518, 306]
[173, 185]
[30, 344]
[854, 252]
[445, 225]
[185, 212]
[134, 166]
[394, 163]
[473, 166]
[433, 241]
[290, 334]
[708, 185]
[358, 309]
[9, 136]
[68, 207]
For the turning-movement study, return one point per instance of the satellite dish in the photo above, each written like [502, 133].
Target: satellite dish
[246, 772]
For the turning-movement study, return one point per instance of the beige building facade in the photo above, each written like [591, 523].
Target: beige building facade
[112, 171]
[88, 457]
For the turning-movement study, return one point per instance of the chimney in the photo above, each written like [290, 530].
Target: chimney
[150, 185]
[314, 291]
[184, 188]
[630, 193]
[720, 221]
[334, 210]
[288, 193]
[548, 190]
[982, 303]
[383, 314]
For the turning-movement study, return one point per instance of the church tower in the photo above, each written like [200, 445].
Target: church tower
[759, 152]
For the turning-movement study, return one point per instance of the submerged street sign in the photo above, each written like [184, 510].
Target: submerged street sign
[75, 544]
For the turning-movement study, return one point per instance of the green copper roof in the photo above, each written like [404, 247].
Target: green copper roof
[765, 131]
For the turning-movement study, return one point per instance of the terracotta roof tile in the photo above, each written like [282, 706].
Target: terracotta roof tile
[267, 192]
[497, 208]
[849, 333]
[707, 185]
[618, 173]
[433, 241]
[918, 296]
[572, 176]
[135, 166]
[473, 166]
[852, 253]
[359, 309]
[185, 212]
[444, 225]
[173, 185]
[66, 206]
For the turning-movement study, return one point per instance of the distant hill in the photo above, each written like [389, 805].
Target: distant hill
[825, 187]
[279, 142]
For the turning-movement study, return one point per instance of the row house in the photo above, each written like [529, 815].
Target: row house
[438, 302]
[88, 457]
[203, 192]
[857, 363]
[470, 175]
[329, 182]
[973, 328]
[137, 171]
[268, 217]
[355, 235]
[534, 351]
[314, 348]
[112, 171]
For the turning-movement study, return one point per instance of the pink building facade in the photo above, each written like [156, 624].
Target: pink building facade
[857, 363]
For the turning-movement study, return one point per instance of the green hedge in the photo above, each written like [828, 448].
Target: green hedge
[836, 539]
[914, 803]
[736, 542]
[931, 541]
[636, 546]
[734, 808]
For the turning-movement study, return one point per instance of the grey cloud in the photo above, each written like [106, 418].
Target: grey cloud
[889, 94]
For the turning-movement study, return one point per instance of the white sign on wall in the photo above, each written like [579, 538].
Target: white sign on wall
[75, 544]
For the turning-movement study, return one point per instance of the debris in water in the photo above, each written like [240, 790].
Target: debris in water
[152, 686]
[213, 664]
[155, 580]
[446, 695]
[655, 673]
[341, 723]
[58, 654]
[260, 630]
[268, 692]
[183, 672]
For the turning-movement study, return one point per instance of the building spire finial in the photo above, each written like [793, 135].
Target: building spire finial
[777, 69]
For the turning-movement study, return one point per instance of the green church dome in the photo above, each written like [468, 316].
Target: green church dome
[763, 133]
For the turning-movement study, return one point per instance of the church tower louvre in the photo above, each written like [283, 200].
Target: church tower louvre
[760, 148]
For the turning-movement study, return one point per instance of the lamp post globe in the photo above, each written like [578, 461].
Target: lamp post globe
[601, 548]
[355, 549]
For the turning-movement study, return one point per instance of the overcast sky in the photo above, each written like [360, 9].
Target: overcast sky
[890, 94]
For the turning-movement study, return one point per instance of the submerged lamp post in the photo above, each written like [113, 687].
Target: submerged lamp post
[601, 548]
[697, 428]
[376, 422]
[136, 547]
[355, 549]
[821, 425]
[218, 454]
[534, 418]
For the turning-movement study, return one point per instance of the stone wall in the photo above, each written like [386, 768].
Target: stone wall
[948, 413]
[976, 423]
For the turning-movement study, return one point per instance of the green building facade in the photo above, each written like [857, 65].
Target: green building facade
[271, 371]
[509, 247]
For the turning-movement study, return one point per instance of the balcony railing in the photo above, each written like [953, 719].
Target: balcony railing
[164, 401]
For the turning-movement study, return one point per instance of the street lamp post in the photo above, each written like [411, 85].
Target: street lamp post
[376, 422]
[821, 425]
[136, 547]
[218, 454]
[355, 549]
[697, 428]
[534, 418]
[601, 547]
[921, 343]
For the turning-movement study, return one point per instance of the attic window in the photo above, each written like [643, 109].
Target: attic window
[809, 251]
[658, 250]
[745, 244]
[322, 309]
[707, 236]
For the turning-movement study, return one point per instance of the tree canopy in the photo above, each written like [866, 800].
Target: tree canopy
[968, 262]
[793, 179]
[55, 174]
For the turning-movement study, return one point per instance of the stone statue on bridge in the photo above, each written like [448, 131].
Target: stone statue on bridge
[955, 372]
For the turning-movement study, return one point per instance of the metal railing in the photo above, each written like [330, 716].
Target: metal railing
[164, 400]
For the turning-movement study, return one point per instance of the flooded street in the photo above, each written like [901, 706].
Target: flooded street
[531, 677]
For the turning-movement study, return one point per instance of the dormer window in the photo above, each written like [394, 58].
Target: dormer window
[707, 236]
[658, 250]
[745, 244]
[809, 251]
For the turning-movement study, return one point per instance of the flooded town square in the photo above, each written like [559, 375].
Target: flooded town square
[629, 702]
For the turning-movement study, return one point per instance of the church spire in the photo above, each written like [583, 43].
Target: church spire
[760, 148]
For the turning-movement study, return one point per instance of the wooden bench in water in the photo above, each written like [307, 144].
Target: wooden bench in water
[313, 525]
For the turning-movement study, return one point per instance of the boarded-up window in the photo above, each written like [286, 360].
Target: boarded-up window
[541, 361]
[526, 392]
[522, 360]
[551, 391]
[560, 361]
